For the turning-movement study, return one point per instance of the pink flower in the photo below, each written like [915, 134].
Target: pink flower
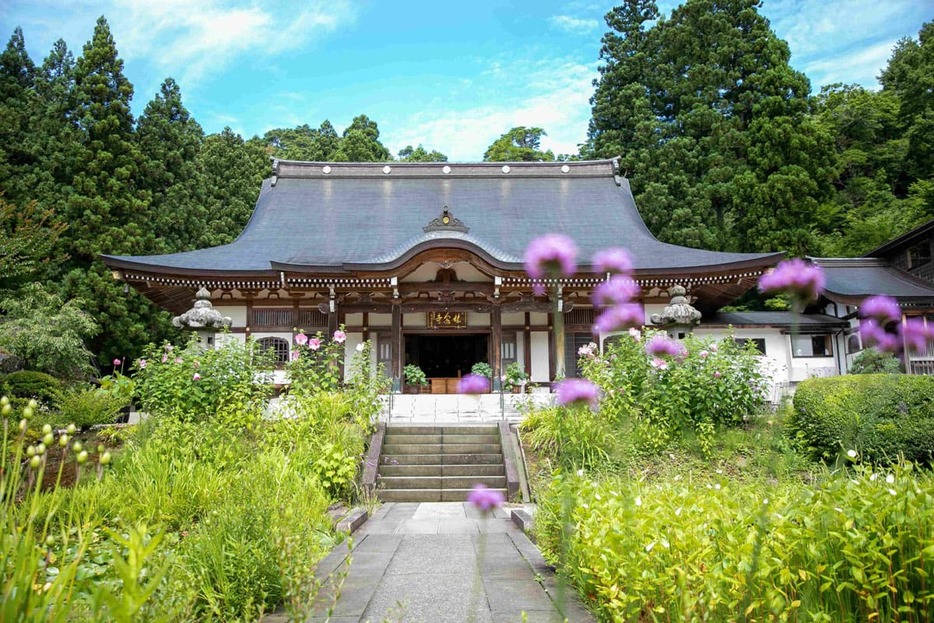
[168, 348]
[117, 362]
[571, 392]
[717, 374]
[703, 354]
[714, 348]
[196, 377]
[473, 384]
[635, 334]
[802, 280]
[619, 317]
[165, 357]
[660, 364]
[142, 364]
[178, 360]
[339, 336]
[874, 334]
[881, 308]
[301, 339]
[484, 498]
[314, 343]
[661, 345]
[295, 355]
[615, 291]
[551, 255]
[615, 260]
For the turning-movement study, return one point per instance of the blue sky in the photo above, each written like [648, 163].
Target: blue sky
[452, 76]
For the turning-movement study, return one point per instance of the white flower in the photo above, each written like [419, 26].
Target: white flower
[892, 491]
[648, 548]
[638, 501]
[851, 454]
[717, 486]
[678, 511]
[580, 472]
[359, 348]
[890, 479]
[873, 477]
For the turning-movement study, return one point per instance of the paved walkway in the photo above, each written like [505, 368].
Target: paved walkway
[458, 408]
[440, 562]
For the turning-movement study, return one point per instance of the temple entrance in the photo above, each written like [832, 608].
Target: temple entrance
[446, 356]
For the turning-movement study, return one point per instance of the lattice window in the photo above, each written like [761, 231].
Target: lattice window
[508, 350]
[311, 319]
[573, 343]
[272, 317]
[279, 347]
[384, 352]
[579, 317]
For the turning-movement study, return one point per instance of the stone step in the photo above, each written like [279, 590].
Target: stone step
[470, 429]
[426, 495]
[406, 429]
[441, 459]
[442, 470]
[400, 440]
[472, 438]
[446, 429]
[395, 449]
[444, 482]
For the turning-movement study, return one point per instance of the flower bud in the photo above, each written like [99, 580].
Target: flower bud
[6, 409]
[82, 457]
[23, 424]
[100, 448]
[32, 404]
[76, 446]
[35, 462]
[63, 441]
[72, 429]
[46, 429]
[40, 449]
[47, 587]
[105, 458]
[49, 541]
[4, 401]
[48, 439]
[28, 412]
[31, 451]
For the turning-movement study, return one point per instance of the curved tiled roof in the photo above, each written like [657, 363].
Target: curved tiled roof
[340, 215]
[849, 281]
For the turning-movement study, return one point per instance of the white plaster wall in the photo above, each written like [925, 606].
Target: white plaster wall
[416, 320]
[237, 313]
[538, 318]
[258, 335]
[516, 319]
[429, 270]
[353, 320]
[520, 350]
[653, 308]
[478, 320]
[380, 320]
[350, 349]
[539, 343]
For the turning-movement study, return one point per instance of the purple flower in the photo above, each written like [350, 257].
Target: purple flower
[881, 308]
[615, 291]
[573, 392]
[339, 336]
[117, 362]
[661, 345]
[484, 498]
[615, 260]
[165, 358]
[473, 384]
[301, 339]
[142, 364]
[874, 334]
[551, 255]
[916, 335]
[619, 317]
[802, 280]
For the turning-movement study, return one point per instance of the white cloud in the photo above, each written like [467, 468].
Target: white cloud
[553, 94]
[574, 25]
[862, 66]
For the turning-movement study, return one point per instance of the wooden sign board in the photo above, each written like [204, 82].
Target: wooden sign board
[446, 320]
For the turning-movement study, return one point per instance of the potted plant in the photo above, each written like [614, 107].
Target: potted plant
[415, 378]
[514, 379]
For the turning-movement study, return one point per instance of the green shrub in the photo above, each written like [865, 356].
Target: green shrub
[25, 384]
[872, 361]
[856, 547]
[576, 438]
[880, 416]
[86, 408]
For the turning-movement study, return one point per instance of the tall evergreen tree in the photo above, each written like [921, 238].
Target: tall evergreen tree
[711, 125]
[17, 99]
[520, 144]
[360, 142]
[170, 139]
[420, 154]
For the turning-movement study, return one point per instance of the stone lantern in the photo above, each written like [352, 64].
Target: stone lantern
[679, 317]
[202, 319]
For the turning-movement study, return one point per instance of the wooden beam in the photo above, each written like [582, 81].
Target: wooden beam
[496, 345]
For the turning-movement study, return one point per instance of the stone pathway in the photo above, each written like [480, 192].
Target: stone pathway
[458, 408]
[440, 562]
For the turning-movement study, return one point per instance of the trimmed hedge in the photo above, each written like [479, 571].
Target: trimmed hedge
[27, 384]
[881, 416]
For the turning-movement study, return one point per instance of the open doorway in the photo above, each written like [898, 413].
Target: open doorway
[446, 356]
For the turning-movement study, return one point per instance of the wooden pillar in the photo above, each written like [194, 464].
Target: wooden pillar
[496, 357]
[398, 347]
[558, 333]
[527, 345]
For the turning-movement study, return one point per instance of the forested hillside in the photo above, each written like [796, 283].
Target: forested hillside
[724, 144]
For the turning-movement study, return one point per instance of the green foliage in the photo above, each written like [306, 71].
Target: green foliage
[520, 144]
[576, 439]
[879, 416]
[872, 361]
[414, 375]
[86, 407]
[513, 376]
[855, 547]
[28, 236]
[420, 154]
[26, 384]
[194, 384]
[47, 334]
[712, 385]
[482, 368]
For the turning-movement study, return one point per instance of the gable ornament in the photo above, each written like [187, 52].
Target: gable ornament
[446, 222]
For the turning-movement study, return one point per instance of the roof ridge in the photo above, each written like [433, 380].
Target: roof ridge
[319, 169]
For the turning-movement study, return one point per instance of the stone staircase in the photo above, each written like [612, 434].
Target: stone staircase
[439, 463]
